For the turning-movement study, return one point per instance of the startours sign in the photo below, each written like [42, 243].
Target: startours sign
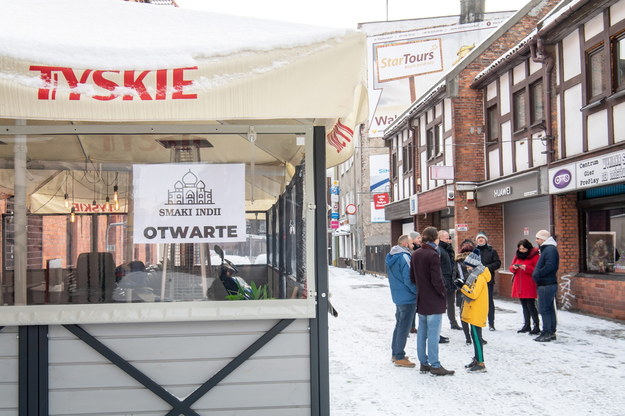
[189, 203]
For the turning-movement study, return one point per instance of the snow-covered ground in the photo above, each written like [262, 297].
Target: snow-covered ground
[582, 373]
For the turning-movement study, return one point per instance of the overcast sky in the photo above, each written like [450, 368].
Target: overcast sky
[341, 13]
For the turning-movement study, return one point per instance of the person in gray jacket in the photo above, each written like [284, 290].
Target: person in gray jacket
[545, 276]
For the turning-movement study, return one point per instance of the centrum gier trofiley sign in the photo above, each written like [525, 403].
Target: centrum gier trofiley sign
[189, 203]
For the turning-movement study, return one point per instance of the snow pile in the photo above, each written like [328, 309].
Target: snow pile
[113, 34]
[579, 374]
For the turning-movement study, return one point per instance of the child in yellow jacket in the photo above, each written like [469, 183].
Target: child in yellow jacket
[475, 308]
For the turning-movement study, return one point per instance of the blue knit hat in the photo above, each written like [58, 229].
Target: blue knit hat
[474, 259]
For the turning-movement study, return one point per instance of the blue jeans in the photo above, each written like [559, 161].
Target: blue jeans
[547, 307]
[403, 323]
[429, 333]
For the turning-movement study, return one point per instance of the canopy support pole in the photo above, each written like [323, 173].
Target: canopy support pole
[20, 219]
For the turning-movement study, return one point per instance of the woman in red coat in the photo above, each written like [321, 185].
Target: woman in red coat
[523, 286]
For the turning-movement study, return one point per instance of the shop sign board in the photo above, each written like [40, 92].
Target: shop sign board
[462, 227]
[588, 173]
[334, 224]
[189, 203]
[518, 187]
[380, 200]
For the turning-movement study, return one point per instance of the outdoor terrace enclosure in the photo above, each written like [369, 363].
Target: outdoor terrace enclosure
[128, 166]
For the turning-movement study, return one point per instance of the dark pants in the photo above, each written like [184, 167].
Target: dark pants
[547, 307]
[529, 310]
[491, 305]
[465, 326]
[451, 310]
[478, 348]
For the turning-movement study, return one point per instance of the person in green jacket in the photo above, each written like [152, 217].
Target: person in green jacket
[475, 308]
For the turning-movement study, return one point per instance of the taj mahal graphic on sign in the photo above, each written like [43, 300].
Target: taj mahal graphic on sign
[189, 190]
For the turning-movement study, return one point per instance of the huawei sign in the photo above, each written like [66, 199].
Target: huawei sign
[106, 85]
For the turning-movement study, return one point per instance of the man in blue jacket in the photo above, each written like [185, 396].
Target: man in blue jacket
[545, 276]
[404, 294]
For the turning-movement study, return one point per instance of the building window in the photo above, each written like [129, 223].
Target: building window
[596, 67]
[605, 241]
[619, 62]
[430, 144]
[438, 146]
[518, 102]
[408, 156]
[537, 108]
[394, 166]
[492, 124]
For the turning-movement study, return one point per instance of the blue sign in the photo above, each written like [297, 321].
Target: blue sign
[334, 216]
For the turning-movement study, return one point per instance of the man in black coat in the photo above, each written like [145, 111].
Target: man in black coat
[448, 270]
[425, 272]
[490, 259]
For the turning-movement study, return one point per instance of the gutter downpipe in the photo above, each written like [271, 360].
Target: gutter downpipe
[540, 55]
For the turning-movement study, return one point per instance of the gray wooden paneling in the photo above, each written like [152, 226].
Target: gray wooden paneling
[9, 371]
[181, 357]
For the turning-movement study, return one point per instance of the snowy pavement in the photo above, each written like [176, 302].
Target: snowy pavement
[582, 373]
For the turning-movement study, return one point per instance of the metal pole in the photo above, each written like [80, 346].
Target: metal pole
[20, 220]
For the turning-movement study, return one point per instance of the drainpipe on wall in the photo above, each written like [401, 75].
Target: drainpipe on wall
[540, 55]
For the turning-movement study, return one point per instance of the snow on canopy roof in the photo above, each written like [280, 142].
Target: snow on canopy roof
[114, 34]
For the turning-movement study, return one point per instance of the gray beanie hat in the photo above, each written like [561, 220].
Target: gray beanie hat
[474, 259]
[481, 234]
[413, 234]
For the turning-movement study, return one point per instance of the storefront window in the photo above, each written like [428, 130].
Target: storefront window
[605, 241]
[146, 219]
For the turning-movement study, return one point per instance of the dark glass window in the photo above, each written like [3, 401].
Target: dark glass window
[537, 108]
[518, 103]
[596, 66]
[492, 124]
[619, 62]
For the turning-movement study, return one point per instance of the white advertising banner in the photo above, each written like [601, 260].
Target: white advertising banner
[588, 173]
[379, 180]
[404, 65]
[189, 203]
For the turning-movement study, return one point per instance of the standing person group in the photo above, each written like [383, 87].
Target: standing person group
[523, 285]
[419, 283]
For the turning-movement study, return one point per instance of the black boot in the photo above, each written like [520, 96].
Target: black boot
[535, 330]
[526, 328]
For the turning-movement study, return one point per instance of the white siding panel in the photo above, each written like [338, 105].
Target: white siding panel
[493, 164]
[518, 73]
[491, 90]
[9, 371]
[594, 26]
[598, 130]
[617, 12]
[573, 120]
[449, 152]
[506, 154]
[448, 116]
[619, 123]
[522, 155]
[534, 67]
[424, 172]
[180, 357]
[538, 147]
[570, 51]
[504, 94]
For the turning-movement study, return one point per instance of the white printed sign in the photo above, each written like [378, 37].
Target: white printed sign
[587, 173]
[189, 203]
[408, 58]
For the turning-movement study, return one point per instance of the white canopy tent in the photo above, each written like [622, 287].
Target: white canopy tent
[70, 66]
